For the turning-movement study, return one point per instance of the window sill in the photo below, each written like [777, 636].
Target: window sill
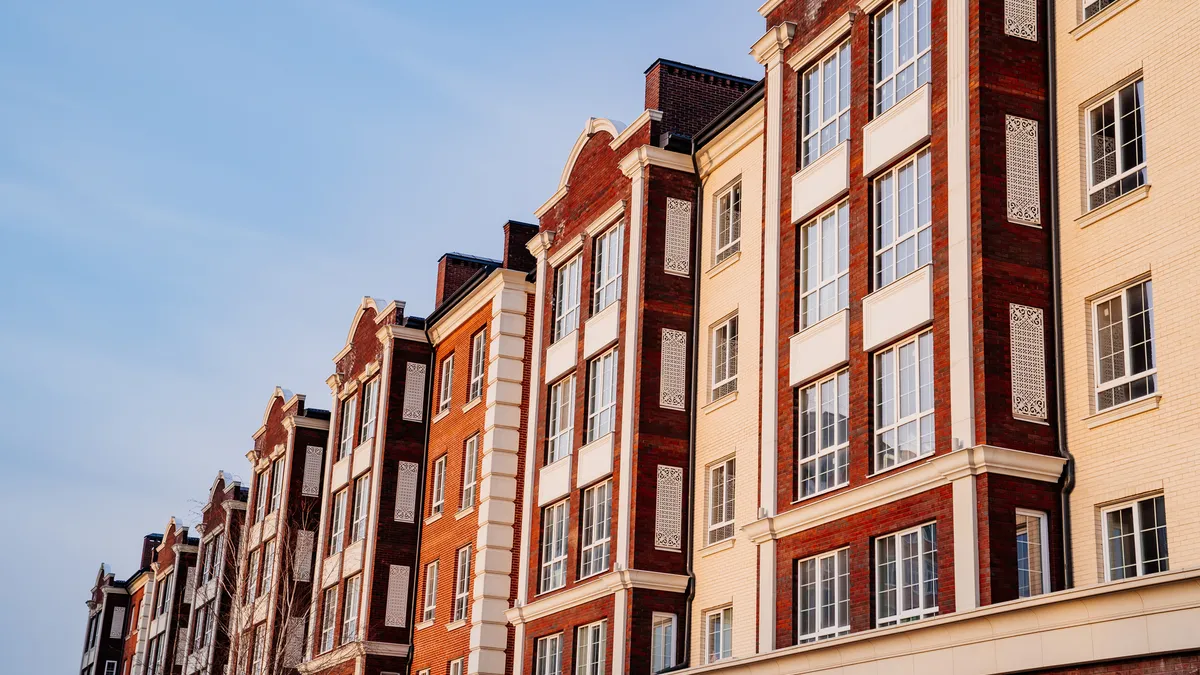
[724, 264]
[424, 624]
[1101, 18]
[474, 402]
[899, 465]
[456, 624]
[822, 493]
[465, 512]
[713, 549]
[441, 415]
[433, 519]
[720, 403]
[1120, 203]
[1123, 411]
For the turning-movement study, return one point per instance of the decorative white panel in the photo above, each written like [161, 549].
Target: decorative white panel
[678, 255]
[406, 493]
[312, 471]
[1021, 152]
[673, 381]
[1020, 19]
[189, 586]
[397, 597]
[293, 646]
[118, 623]
[668, 509]
[304, 555]
[414, 392]
[1027, 342]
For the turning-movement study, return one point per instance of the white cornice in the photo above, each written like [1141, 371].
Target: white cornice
[605, 219]
[600, 587]
[729, 142]
[566, 249]
[540, 243]
[646, 117]
[933, 473]
[549, 204]
[768, 7]
[649, 155]
[310, 422]
[499, 281]
[594, 126]
[395, 332]
[772, 44]
[826, 40]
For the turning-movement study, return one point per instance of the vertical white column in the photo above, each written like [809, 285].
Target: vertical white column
[966, 556]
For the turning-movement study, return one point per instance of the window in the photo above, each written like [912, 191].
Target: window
[825, 435]
[462, 584]
[164, 596]
[906, 576]
[350, 609]
[562, 419]
[370, 409]
[478, 364]
[358, 517]
[199, 628]
[1116, 145]
[722, 479]
[1135, 539]
[260, 648]
[154, 652]
[597, 516]
[456, 667]
[826, 104]
[268, 559]
[337, 527]
[724, 358]
[903, 215]
[431, 583]
[566, 298]
[1092, 7]
[718, 632]
[439, 485]
[346, 440]
[1033, 556]
[554, 547]
[823, 589]
[729, 222]
[662, 642]
[589, 649]
[901, 51]
[212, 549]
[470, 468]
[328, 618]
[252, 577]
[1124, 335]
[260, 496]
[548, 655]
[110, 668]
[606, 268]
[446, 387]
[904, 402]
[276, 485]
[602, 395]
[824, 262]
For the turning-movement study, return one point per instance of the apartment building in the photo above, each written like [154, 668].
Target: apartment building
[103, 640]
[170, 595]
[137, 612]
[275, 572]
[214, 588]
[604, 553]
[480, 333]
[361, 619]
[729, 155]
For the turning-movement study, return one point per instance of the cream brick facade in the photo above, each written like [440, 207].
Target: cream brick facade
[1152, 446]
[725, 572]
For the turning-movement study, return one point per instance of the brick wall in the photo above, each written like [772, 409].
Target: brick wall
[689, 97]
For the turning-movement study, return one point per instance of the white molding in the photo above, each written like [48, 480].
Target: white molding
[960, 268]
[819, 348]
[732, 140]
[602, 329]
[904, 127]
[1100, 18]
[596, 588]
[1119, 204]
[826, 40]
[497, 282]
[593, 126]
[897, 309]
[380, 308]
[394, 332]
[1123, 411]
[567, 249]
[647, 116]
[649, 155]
[601, 223]
[821, 183]
[770, 46]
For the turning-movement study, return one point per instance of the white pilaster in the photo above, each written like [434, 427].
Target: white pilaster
[966, 545]
[958, 130]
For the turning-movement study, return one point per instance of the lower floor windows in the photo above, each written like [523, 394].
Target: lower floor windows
[589, 649]
[906, 575]
[1135, 538]
[1033, 561]
[662, 645]
[597, 517]
[904, 402]
[554, 547]
[825, 435]
[718, 631]
[328, 619]
[548, 653]
[823, 584]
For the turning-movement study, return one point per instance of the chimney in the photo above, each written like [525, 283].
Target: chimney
[690, 97]
[516, 256]
[149, 543]
[454, 269]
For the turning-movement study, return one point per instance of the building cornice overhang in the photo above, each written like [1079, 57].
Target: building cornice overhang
[749, 127]
[773, 42]
[498, 282]
[645, 118]
[394, 332]
[600, 587]
[540, 243]
[350, 651]
[933, 473]
[769, 6]
[381, 310]
[649, 155]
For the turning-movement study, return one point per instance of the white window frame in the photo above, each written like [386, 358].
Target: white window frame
[1139, 531]
[817, 590]
[825, 265]
[438, 503]
[608, 262]
[1041, 522]
[346, 435]
[1099, 5]
[566, 297]
[1096, 189]
[277, 479]
[547, 655]
[885, 457]
[268, 565]
[261, 491]
[478, 364]
[561, 429]
[721, 647]
[446, 385]
[260, 643]
[922, 610]
[350, 609]
[370, 410]
[470, 471]
[823, 445]
[590, 647]
[462, 583]
[252, 569]
[722, 499]
[595, 530]
[1150, 374]
[456, 667]
[361, 509]
[727, 235]
[555, 524]
[337, 525]
[429, 609]
[164, 599]
[922, 29]
[328, 619]
[887, 211]
[662, 641]
[110, 668]
[816, 115]
[724, 370]
[602, 395]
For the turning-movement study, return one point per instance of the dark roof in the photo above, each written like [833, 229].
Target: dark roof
[316, 413]
[703, 71]
[474, 258]
[727, 117]
[461, 292]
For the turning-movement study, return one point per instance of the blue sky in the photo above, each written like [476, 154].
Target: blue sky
[195, 196]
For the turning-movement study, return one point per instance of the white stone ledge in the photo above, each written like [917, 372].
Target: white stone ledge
[595, 461]
[898, 308]
[596, 588]
[554, 481]
[821, 182]
[820, 347]
[900, 129]
[560, 357]
[601, 329]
